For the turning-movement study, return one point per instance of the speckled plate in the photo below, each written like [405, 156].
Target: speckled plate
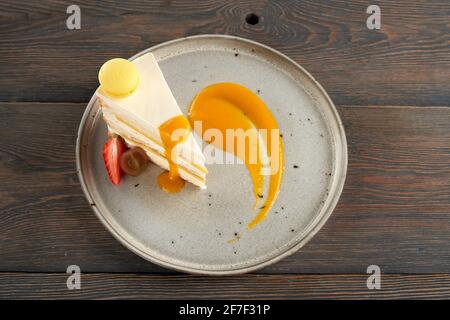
[195, 231]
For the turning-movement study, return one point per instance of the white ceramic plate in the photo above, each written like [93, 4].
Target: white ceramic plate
[191, 231]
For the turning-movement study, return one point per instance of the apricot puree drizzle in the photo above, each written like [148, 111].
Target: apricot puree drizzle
[227, 105]
[174, 131]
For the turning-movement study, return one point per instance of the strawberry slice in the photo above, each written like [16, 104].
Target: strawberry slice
[112, 150]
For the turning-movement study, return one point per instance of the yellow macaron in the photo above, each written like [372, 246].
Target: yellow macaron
[118, 77]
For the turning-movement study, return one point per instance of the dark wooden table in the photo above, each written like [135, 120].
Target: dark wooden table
[392, 90]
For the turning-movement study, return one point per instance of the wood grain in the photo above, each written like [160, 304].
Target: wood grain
[407, 62]
[394, 211]
[282, 287]
[395, 208]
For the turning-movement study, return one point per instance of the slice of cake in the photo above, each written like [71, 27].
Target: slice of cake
[138, 106]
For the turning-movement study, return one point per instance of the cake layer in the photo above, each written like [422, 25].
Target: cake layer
[157, 152]
[161, 161]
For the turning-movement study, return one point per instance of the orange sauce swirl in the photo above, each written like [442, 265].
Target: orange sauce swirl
[228, 105]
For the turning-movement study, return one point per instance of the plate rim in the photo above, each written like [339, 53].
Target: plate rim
[320, 220]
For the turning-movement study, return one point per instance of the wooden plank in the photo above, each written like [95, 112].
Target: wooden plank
[407, 62]
[394, 211]
[282, 287]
